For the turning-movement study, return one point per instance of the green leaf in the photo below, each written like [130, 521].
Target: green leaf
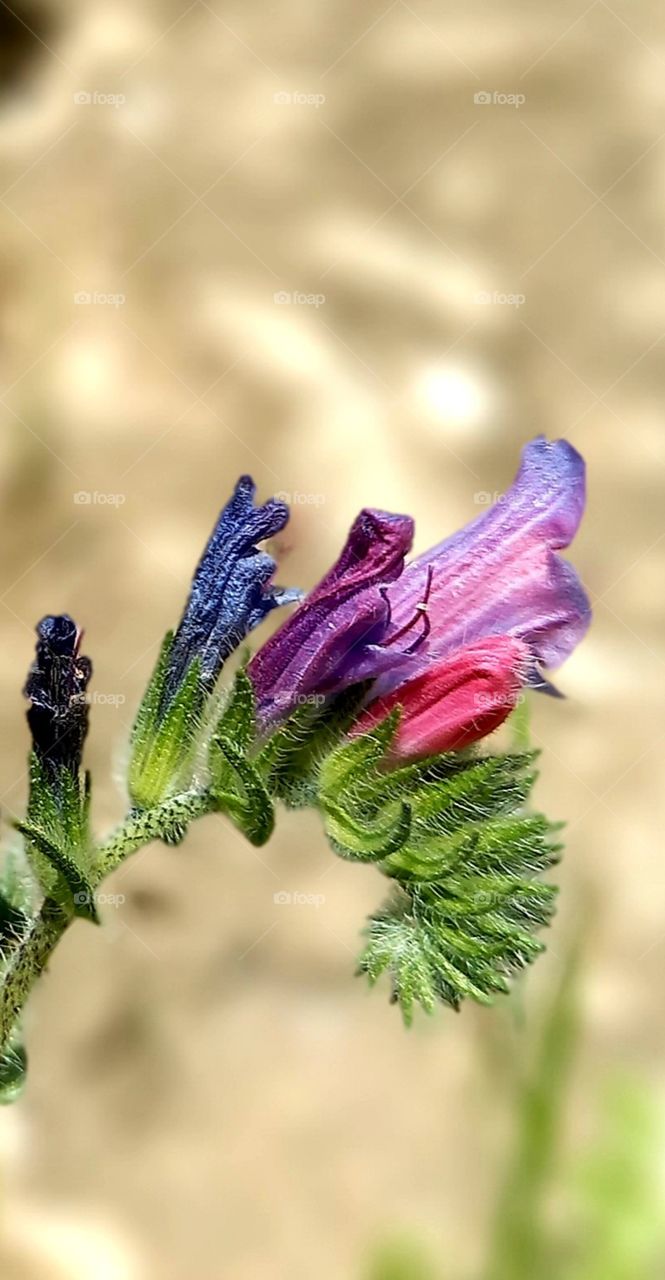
[521, 1246]
[80, 889]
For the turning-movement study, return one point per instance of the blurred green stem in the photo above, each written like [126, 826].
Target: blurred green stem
[167, 821]
[29, 961]
[519, 1245]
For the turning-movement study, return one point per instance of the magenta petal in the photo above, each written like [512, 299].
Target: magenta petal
[501, 574]
[341, 617]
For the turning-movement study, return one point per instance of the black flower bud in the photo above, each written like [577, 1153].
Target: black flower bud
[56, 686]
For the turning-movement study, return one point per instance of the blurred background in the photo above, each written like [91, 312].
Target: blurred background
[364, 252]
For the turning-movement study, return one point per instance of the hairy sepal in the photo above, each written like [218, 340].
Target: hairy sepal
[165, 740]
[453, 834]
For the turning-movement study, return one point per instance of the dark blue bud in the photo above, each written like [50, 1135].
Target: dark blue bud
[56, 686]
[231, 591]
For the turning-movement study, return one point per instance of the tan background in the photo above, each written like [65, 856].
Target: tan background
[212, 1094]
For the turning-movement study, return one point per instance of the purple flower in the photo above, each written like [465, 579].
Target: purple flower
[500, 575]
[333, 628]
[231, 591]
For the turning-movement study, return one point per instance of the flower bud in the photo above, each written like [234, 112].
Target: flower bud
[456, 701]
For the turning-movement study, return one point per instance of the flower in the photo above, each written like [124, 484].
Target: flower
[456, 701]
[231, 592]
[501, 576]
[340, 618]
[56, 686]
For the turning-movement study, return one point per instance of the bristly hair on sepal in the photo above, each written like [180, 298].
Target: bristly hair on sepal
[231, 594]
[465, 856]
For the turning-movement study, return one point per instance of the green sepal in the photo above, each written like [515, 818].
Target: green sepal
[237, 723]
[465, 933]
[164, 743]
[359, 825]
[60, 806]
[452, 832]
[292, 757]
[147, 716]
[240, 792]
[352, 769]
[58, 819]
[79, 893]
[359, 841]
[520, 844]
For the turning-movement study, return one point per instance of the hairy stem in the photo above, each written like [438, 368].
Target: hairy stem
[28, 962]
[167, 821]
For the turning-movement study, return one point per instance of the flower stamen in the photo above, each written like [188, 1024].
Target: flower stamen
[421, 614]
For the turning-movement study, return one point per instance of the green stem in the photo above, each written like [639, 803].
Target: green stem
[28, 962]
[167, 821]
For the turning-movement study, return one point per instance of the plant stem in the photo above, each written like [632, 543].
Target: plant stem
[167, 821]
[28, 962]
